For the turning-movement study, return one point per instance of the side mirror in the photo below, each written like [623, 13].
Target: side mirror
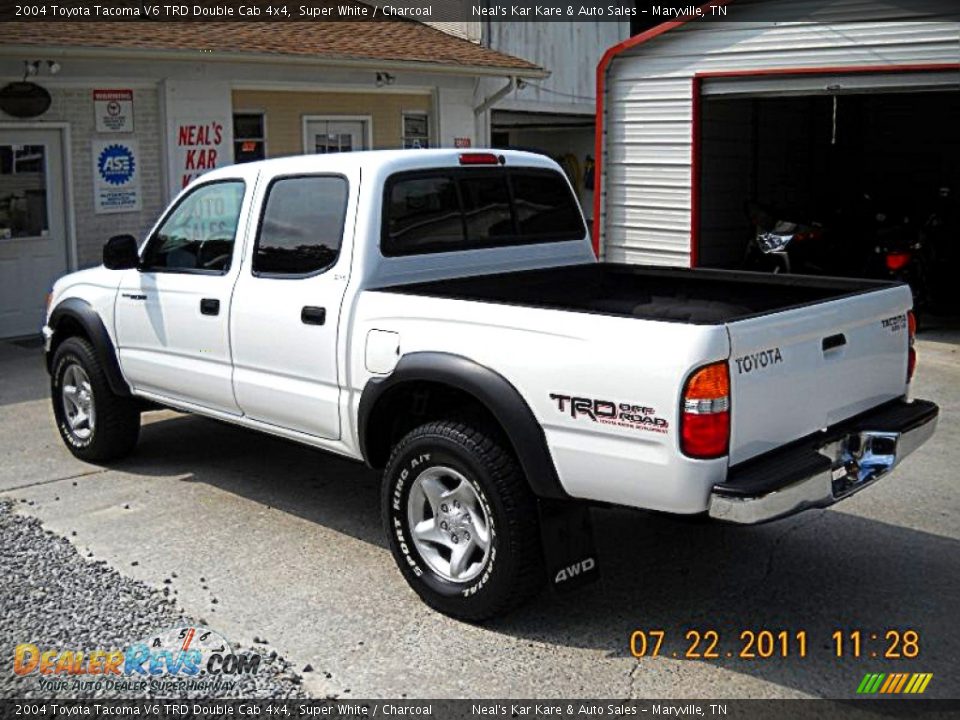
[120, 253]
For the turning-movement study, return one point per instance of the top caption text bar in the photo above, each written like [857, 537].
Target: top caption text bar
[649, 13]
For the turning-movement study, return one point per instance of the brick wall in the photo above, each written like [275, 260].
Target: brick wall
[75, 106]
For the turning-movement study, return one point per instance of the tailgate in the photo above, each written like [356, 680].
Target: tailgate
[801, 370]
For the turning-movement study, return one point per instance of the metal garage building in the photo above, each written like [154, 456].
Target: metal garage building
[696, 118]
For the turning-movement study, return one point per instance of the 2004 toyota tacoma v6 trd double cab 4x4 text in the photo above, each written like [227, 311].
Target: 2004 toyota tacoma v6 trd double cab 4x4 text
[441, 315]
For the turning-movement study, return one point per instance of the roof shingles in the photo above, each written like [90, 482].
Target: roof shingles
[400, 41]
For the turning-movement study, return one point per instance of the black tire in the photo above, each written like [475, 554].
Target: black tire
[514, 569]
[116, 426]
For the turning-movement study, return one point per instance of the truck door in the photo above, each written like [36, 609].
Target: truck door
[286, 308]
[172, 312]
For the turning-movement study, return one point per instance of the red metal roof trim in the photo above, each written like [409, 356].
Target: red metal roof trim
[602, 68]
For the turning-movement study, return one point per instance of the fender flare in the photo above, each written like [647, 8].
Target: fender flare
[81, 312]
[492, 390]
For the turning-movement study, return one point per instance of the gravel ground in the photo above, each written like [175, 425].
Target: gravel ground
[53, 597]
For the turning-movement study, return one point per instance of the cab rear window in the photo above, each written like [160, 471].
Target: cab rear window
[471, 208]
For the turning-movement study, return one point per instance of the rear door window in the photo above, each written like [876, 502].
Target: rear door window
[463, 209]
[302, 226]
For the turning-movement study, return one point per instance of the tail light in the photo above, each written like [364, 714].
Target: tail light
[705, 413]
[479, 158]
[911, 351]
[896, 260]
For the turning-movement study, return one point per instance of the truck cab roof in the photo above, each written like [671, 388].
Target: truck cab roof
[368, 173]
[385, 160]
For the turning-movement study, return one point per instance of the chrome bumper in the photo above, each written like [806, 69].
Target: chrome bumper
[824, 468]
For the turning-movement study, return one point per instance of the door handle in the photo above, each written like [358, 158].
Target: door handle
[834, 341]
[311, 315]
[209, 306]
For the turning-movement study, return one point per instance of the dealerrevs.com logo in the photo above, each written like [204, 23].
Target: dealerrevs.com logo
[182, 658]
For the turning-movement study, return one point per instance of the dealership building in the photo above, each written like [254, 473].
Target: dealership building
[117, 117]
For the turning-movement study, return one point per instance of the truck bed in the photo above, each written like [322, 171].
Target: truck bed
[698, 296]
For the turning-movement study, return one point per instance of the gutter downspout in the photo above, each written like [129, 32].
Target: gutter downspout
[511, 85]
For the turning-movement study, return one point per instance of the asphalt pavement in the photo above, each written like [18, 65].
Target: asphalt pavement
[272, 541]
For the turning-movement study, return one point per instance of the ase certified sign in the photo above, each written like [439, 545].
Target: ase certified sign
[116, 176]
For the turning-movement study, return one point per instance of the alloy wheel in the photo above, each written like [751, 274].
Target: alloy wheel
[449, 524]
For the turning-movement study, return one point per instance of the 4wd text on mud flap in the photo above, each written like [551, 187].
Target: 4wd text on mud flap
[583, 566]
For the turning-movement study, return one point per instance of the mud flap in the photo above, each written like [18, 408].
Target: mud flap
[567, 534]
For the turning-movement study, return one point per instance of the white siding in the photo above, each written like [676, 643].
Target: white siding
[569, 50]
[464, 29]
[645, 213]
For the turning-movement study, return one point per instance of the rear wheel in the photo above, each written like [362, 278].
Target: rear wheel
[461, 521]
[95, 423]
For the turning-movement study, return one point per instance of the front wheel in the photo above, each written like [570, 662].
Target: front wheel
[94, 422]
[461, 521]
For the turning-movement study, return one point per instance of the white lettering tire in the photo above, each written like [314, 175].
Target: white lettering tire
[461, 521]
[96, 425]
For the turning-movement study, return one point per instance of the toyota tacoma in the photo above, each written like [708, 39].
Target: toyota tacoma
[441, 316]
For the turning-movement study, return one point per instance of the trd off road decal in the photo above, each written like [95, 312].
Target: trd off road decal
[608, 412]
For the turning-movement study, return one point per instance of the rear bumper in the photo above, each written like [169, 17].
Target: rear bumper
[826, 467]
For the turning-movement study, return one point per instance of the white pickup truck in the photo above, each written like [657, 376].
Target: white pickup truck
[441, 316]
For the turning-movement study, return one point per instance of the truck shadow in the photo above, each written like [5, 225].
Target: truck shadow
[338, 493]
[819, 572]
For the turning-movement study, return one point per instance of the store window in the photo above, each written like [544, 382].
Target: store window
[23, 191]
[249, 137]
[416, 130]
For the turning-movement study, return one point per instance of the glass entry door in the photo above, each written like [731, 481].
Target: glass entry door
[333, 135]
[33, 239]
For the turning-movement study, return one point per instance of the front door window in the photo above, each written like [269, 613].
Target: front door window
[198, 235]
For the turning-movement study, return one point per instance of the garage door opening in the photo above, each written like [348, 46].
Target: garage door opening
[824, 160]
[568, 139]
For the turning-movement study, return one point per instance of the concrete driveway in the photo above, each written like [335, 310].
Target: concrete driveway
[289, 545]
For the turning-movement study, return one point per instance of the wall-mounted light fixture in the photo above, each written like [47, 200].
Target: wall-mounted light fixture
[32, 68]
[385, 78]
